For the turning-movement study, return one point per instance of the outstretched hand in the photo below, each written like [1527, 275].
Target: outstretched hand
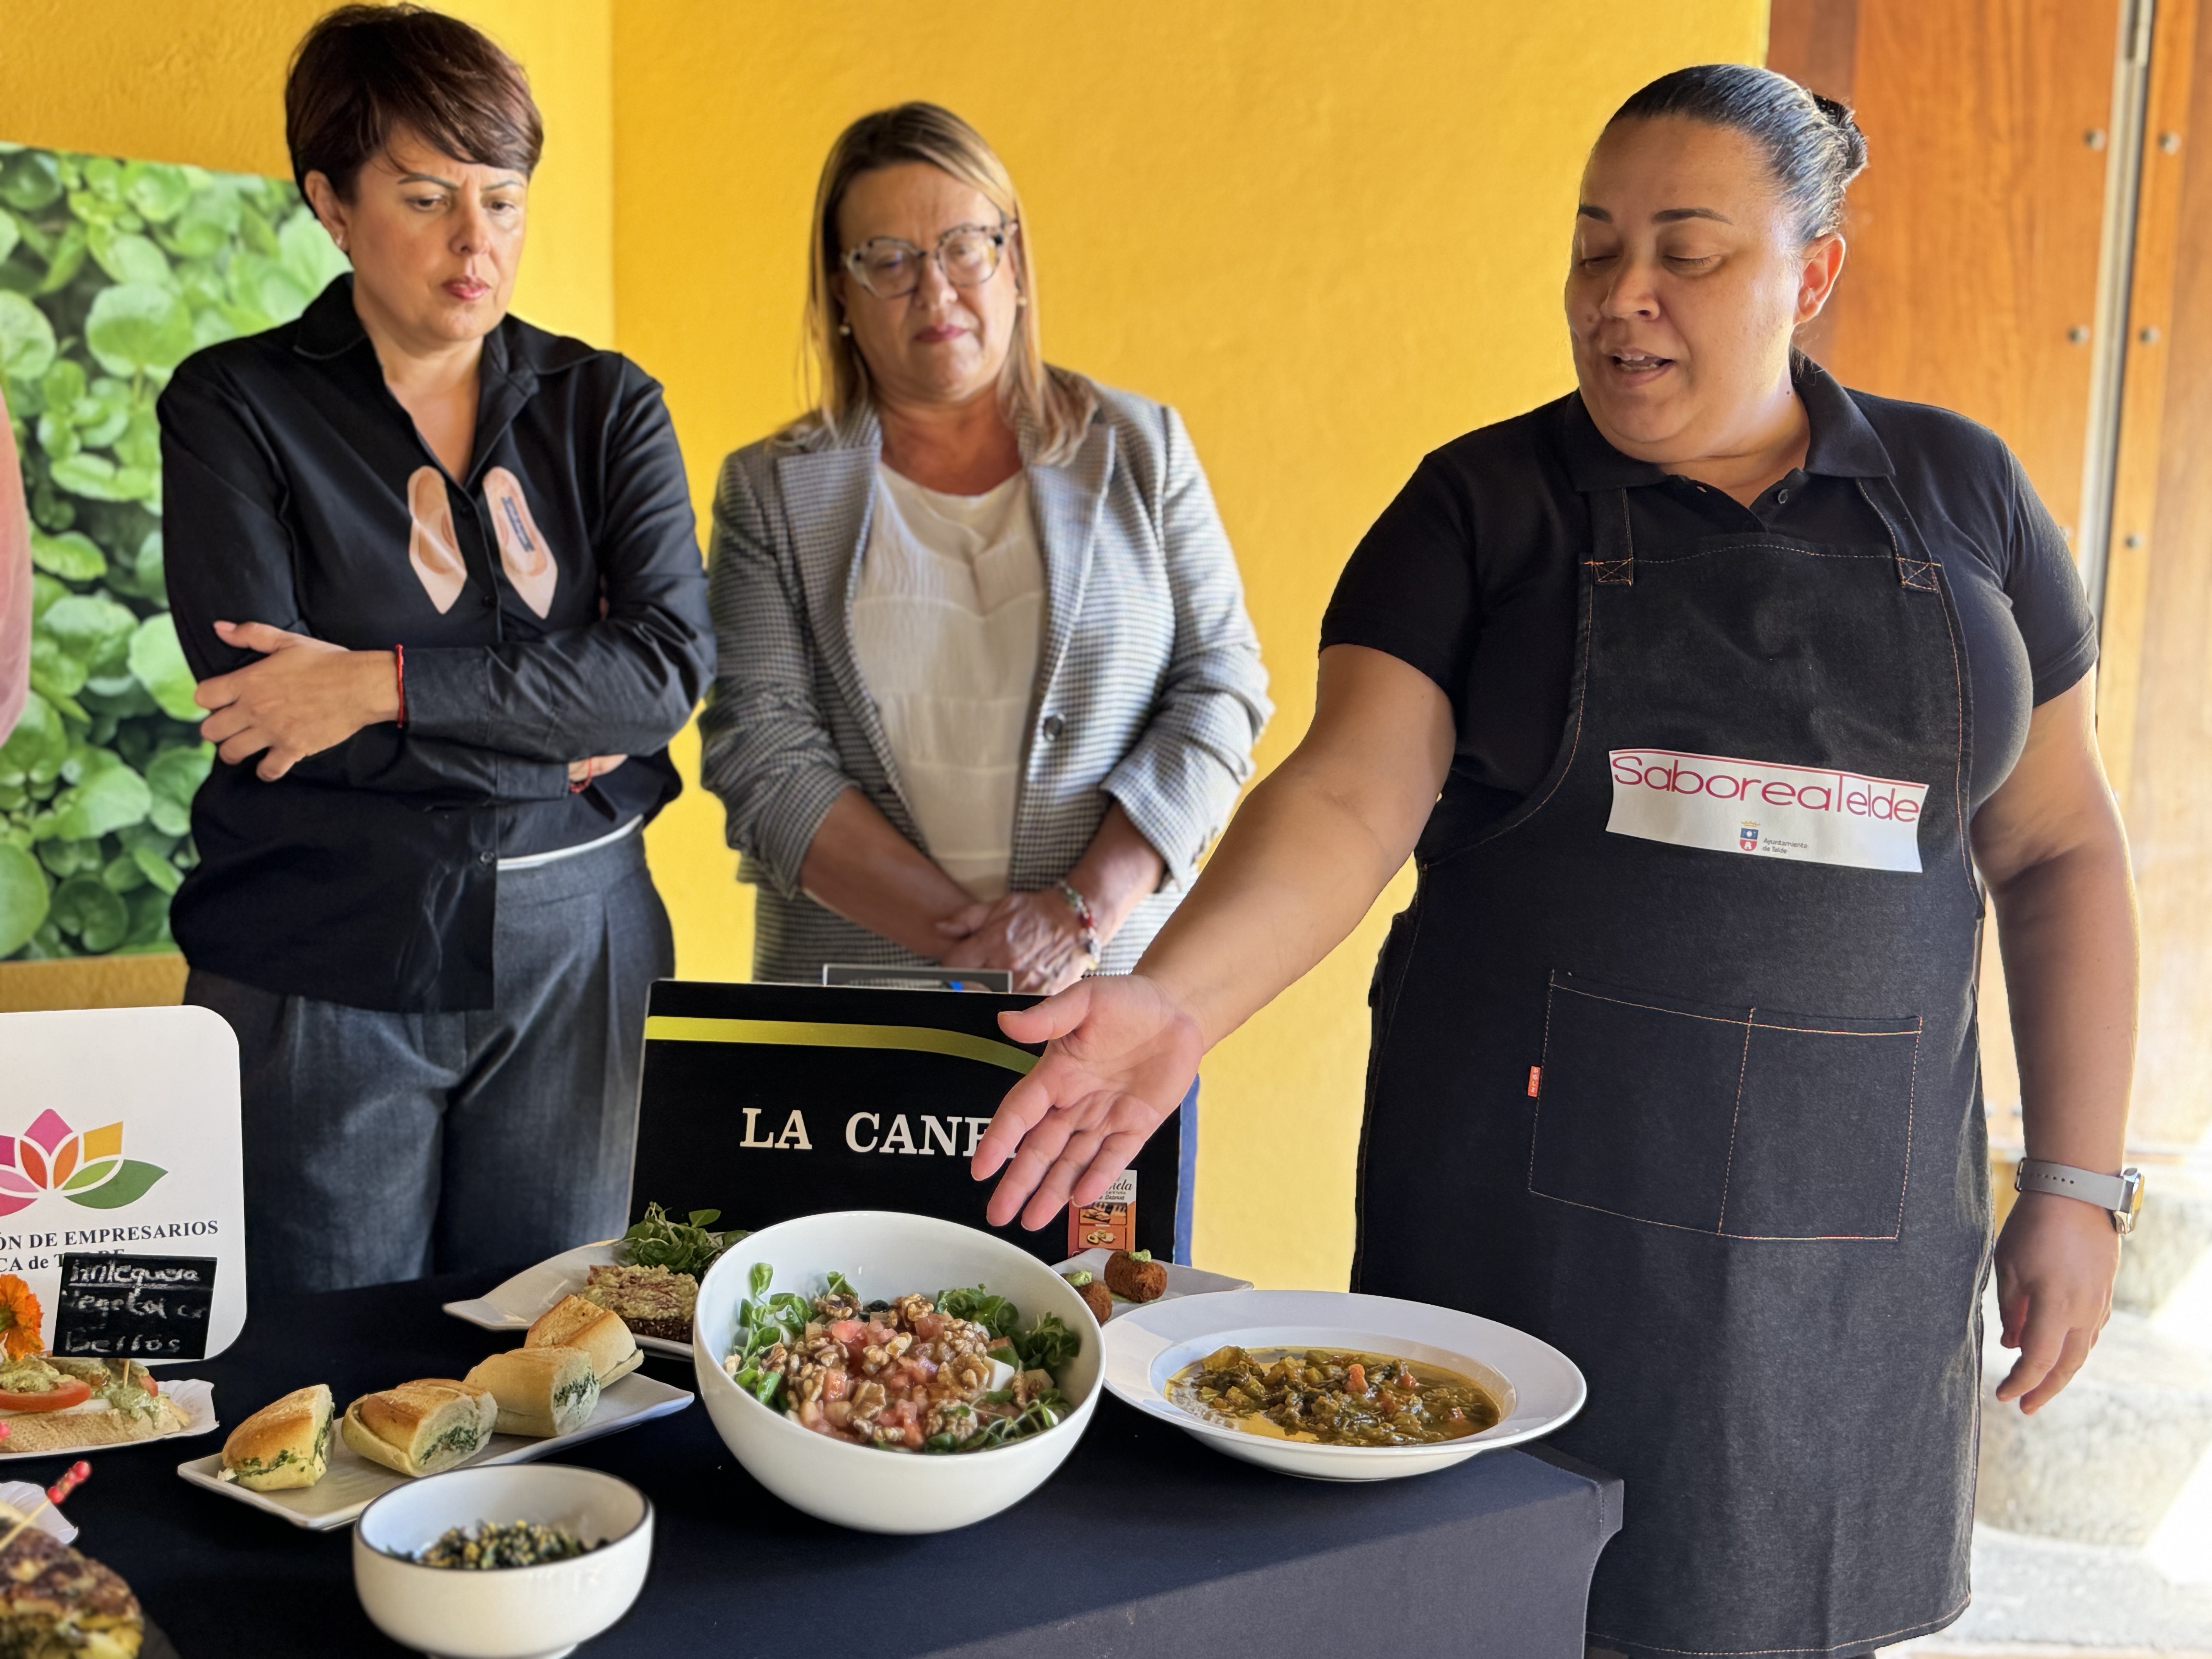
[1122, 1053]
[2055, 1262]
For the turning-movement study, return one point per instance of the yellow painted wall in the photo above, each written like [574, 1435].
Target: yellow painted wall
[1332, 234]
[202, 81]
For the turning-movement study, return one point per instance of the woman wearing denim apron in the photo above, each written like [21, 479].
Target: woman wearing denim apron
[1717, 697]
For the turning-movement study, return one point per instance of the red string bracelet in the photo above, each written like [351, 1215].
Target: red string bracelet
[399, 670]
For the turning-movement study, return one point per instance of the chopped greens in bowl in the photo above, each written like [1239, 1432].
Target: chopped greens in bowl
[952, 1374]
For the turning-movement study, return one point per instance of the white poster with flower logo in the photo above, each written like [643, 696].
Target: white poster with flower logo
[119, 1134]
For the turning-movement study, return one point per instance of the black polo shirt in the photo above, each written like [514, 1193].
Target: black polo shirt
[552, 606]
[1469, 575]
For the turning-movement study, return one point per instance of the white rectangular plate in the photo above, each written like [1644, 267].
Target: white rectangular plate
[515, 1304]
[351, 1481]
[194, 1397]
[1181, 1281]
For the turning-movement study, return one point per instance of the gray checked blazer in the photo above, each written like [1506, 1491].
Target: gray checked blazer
[1149, 692]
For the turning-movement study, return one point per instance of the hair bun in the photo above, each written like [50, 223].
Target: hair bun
[1839, 116]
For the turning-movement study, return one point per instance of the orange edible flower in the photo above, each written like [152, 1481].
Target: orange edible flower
[21, 1318]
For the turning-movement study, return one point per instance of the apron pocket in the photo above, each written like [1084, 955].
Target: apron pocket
[1741, 1121]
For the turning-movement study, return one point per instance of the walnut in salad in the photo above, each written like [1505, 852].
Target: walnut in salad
[952, 1373]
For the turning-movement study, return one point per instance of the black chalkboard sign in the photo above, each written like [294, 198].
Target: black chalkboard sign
[768, 1102]
[150, 1308]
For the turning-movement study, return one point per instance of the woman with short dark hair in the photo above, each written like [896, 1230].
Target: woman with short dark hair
[1710, 699]
[437, 570]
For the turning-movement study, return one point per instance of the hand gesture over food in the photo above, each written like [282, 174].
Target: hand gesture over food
[305, 696]
[581, 772]
[1123, 1054]
[2056, 1261]
[1036, 935]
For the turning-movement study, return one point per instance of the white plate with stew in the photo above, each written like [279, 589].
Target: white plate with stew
[1459, 1359]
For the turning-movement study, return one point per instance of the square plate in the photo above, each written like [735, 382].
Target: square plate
[514, 1305]
[351, 1481]
[194, 1398]
[1181, 1281]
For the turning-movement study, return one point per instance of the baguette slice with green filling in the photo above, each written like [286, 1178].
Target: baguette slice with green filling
[574, 1321]
[286, 1443]
[421, 1427]
[542, 1391]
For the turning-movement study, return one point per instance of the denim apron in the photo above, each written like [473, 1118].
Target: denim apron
[1675, 1068]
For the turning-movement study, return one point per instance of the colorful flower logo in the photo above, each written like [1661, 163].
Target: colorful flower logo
[87, 1168]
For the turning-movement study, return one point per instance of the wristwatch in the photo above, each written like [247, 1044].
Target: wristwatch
[2119, 1195]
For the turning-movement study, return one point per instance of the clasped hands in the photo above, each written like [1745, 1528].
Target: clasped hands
[305, 696]
[1037, 936]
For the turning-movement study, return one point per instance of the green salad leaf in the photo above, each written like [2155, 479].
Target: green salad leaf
[1048, 1344]
[681, 1247]
[765, 1320]
[994, 1313]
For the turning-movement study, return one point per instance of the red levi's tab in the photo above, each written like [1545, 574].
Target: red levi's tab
[1535, 1082]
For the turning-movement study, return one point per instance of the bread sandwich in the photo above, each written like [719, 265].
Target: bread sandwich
[422, 1427]
[114, 1403]
[574, 1322]
[286, 1443]
[542, 1391]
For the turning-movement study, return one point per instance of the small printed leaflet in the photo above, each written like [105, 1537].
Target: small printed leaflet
[1109, 1222]
[1815, 815]
[152, 1308]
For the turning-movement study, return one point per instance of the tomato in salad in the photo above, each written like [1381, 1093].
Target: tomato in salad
[69, 1391]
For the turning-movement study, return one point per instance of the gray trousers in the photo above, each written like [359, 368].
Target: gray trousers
[382, 1146]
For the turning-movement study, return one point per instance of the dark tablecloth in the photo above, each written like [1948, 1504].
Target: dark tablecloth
[1144, 1543]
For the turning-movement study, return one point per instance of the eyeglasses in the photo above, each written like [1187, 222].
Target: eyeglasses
[890, 269]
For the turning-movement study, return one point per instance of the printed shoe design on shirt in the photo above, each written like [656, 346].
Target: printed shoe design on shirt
[432, 547]
[522, 548]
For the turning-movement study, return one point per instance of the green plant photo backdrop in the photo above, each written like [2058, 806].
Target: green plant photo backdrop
[112, 273]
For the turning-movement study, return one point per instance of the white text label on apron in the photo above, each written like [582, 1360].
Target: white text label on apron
[1759, 809]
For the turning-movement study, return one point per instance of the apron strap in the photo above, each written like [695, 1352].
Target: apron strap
[1915, 566]
[1612, 559]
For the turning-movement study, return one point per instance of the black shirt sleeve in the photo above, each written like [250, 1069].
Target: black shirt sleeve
[2049, 604]
[1409, 589]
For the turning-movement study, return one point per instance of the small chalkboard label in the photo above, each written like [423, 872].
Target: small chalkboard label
[150, 1308]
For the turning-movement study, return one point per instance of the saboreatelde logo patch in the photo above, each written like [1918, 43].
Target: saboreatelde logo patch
[1759, 809]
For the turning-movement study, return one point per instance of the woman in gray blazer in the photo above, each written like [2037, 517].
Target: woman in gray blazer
[987, 687]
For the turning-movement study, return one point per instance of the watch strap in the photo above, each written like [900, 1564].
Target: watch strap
[2106, 1192]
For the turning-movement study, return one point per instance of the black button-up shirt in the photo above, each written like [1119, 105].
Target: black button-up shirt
[551, 604]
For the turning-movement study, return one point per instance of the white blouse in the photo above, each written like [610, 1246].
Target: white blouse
[947, 623]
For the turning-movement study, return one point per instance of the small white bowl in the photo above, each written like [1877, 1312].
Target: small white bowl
[886, 1255]
[1537, 1388]
[507, 1613]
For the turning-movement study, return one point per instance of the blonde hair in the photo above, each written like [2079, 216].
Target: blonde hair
[1054, 404]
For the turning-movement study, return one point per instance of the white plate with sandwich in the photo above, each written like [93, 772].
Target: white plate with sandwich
[514, 1304]
[574, 1379]
[187, 1407]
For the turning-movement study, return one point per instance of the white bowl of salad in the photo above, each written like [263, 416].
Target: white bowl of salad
[894, 1373]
